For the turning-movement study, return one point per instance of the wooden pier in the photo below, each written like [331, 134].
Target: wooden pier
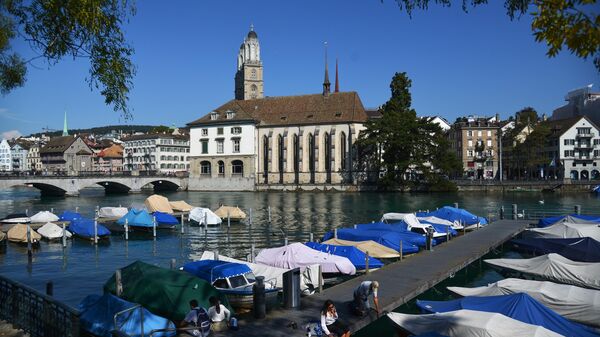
[399, 282]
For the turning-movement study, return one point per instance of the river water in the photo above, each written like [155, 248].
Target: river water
[82, 268]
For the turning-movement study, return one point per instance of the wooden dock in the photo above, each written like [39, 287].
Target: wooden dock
[399, 282]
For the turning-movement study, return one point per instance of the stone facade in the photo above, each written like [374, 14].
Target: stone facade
[475, 142]
[66, 155]
[166, 153]
[33, 158]
[249, 76]
[18, 153]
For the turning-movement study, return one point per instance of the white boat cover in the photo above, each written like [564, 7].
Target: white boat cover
[411, 220]
[43, 217]
[234, 213]
[309, 278]
[52, 231]
[573, 219]
[180, 206]
[440, 221]
[468, 323]
[299, 255]
[565, 230]
[555, 267]
[112, 212]
[18, 233]
[158, 203]
[574, 303]
[375, 249]
[198, 214]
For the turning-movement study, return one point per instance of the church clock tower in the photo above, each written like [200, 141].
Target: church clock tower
[249, 75]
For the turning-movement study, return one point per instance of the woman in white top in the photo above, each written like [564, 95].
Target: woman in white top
[330, 322]
[218, 314]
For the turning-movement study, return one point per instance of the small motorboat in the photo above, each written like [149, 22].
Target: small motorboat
[51, 231]
[84, 228]
[180, 206]
[410, 222]
[69, 216]
[233, 213]
[464, 217]
[158, 203]
[201, 215]
[18, 234]
[165, 221]
[16, 218]
[43, 217]
[355, 255]
[137, 220]
[297, 255]
[112, 212]
[235, 280]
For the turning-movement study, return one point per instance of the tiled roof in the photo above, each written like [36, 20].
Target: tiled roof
[115, 151]
[341, 107]
[58, 144]
[560, 126]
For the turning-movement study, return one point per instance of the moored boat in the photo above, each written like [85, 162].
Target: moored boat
[51, 231]
[69, 216]
[158, 203]
[356, 256]
[84, 228]
[577, 249]
[138, 220]
[43, 217]
[112, 212]
[204, 215]
[233, 213]
[16, 218]
[180, 206]
[233, 279]
[164, 220]
[565, 230]
[18, 234]
[375, 249]
[464, 217]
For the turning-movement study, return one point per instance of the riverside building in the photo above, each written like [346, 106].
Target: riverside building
[164, 153]
[286, 142]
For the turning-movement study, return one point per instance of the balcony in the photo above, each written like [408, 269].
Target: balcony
[584, 146]
[585, 135]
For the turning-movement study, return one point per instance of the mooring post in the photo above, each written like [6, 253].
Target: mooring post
[126, 229]
[97, 210]
[26, 211]
[269, 209]
[335, 233]
[29, 252]
[578, 209]
[355, 226]
[464, 227]
[205, 221]
[118, 283]
[285, 241]
[252, 249]
[154, 227]
[51, 209]
[64, 235]
[320, 279]
[514, 211]
[456, 205]
[501, 212]
[250, 217]
[49, 288]
[182, 224]
[311, 237]
[95, 231]
[216, 255]
[173, 264]
[447, 233]
[76, 209]
[367, 262]
[400, 250]
[228, 219]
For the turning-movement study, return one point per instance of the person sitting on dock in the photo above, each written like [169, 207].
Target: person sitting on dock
[219, 315]
[197, 317]
[361, 298]
[330, 322]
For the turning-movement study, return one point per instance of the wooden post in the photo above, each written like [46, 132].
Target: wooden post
[228, 219]
[501, 212]
[367, 262]
[118, 283]
[320, 279]
[76, 209]
[29, 252]
[95, 231]
[26, 212]
[49, 288]
[205, 221]
[578, 209]
[355, 226]
[269, 209]
[447, 233]
[456, 205]
[250, 216]
[154, 227]
[173, 264]
[126, 229]
[311, 237]
[64, 235]
[285, 241]
[464, 227]
[252, 248]
[401, 250]
[514, 211]
[182, 223]
[51, 209]
[335, 233]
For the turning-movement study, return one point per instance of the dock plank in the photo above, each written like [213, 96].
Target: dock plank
[399, 282]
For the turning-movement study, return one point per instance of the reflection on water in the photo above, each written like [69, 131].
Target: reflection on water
[82, 268]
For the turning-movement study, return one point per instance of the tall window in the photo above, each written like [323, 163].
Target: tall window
[219, 131]
[343, 151]
[237, 168]
[219, 145]
[327, 143]
[204, 132]
[311, 152]
[205, 168]
[281, 160]
[236, 145]
[221, 168]
[204, 146]
[236, 130]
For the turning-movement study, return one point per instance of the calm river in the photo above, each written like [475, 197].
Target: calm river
[82, 268]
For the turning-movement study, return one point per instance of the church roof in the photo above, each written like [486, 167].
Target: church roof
[252, 34]
[336, 108]
[58, 144]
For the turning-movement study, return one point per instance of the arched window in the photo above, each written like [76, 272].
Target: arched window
[253, 91]
[266, 158]
[311, 156]
[296, 158]
[253, 74]
[221, 165]
[281, 161]
[205, 167]
[343, 153]
[237, 168]
[327, 143]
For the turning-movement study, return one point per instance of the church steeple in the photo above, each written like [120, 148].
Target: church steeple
[337, 81]
[326, 84]
[65, 130]
[249, 75]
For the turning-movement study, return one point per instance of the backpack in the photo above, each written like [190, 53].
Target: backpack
[202, 321]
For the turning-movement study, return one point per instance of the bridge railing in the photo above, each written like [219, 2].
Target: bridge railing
[35, 313]
[91, 174]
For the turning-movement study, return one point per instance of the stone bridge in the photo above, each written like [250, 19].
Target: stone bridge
[71, 185]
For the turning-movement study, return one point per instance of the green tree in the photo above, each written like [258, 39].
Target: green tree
[526, 116]
[77, 28]
[161, 129]
[570, 24]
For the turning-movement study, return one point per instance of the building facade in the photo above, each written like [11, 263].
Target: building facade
[68, 155]
[164, 153]
[18, 153]
[109, 160]
[249, 76]
[475, 142]
[5, 157]
[33, 157]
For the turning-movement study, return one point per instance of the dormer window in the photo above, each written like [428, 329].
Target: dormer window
[230, 114]
[214, 116]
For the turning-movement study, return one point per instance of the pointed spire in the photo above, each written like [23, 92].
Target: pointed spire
[326, 83]
[337, 80]
[65, 130]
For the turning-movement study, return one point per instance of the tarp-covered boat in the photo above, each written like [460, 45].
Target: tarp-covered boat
[416, 238]
[521, 307]
[468, 323]
[309, 277]
[468, 219]
[375, 249]
[165, 220]
[180, 206]
[84, 228]
[21, 218]
[233, 279]
[554, 267]
[158, 203]
[43, 217]
[298, 255]
[112, 212]
[353, 254]
[234, 213]
[200, 215]
[572, 218]
[18, 234]
[575, 303]
[576, 249]
[386, 238]
[565, 230]
[98, 317]
[456, 225]
[164, 292]
[137, 218]
[69, 216]
[2, 237]
[52, 231]
[411, 223]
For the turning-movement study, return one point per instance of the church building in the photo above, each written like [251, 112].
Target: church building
[255, 142]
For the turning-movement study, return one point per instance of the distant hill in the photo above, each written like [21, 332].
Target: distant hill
[100, 130]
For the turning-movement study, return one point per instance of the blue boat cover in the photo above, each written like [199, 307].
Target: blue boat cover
[97, 317]
[455, 214]
[212, 270]
[545, 222]
[85, 228]
[165, 219]
[576, 249]
[69, 216]
[520, 306]
[440, 228]
[397, 227]
[386, 238]
[136, 217]
[355, 255]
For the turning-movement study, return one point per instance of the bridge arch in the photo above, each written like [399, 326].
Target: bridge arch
[163, 184]
[47, 189]
[113, 187]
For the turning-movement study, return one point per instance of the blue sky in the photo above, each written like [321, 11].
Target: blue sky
[185, 52]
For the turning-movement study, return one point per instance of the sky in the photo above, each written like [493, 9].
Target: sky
[475, 63]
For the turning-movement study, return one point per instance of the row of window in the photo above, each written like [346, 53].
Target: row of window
[220, 145]
[236, 130]
[479, 143]
[173, 149]
[215, 115]
[175, 166]
[573, 142]
[470, 133]
[237, 167]
[471, 153]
